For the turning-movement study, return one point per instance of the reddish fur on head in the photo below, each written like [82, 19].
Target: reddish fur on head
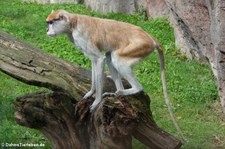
[55, 15]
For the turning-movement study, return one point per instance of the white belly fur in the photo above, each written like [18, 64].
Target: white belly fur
[84, 45]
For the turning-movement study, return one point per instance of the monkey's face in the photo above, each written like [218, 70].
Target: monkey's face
[58, 23]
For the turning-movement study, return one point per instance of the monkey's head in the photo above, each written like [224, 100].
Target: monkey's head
[58, 23]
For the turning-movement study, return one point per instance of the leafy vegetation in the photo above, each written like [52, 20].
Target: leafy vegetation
[191, 85]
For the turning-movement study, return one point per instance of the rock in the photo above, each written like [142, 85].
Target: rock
[191, 21]
[192, 27]
[38, 1]
[217, 16]
[106, 6]
[200, 32]
[154, 8]
[66, 1]
[54, 1]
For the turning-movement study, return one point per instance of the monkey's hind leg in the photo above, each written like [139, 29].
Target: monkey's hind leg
[115, 76]
[123, 66]
[127, 73]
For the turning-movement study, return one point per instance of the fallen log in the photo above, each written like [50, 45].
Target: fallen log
[63, 117]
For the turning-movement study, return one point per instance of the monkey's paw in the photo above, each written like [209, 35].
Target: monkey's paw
[119, 92]
[109, 94]
[93, 106]
[88, 94]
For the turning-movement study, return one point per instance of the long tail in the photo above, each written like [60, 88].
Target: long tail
[163, 75]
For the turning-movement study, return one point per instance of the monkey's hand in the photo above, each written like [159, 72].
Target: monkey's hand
[88, 94]
[94, 105]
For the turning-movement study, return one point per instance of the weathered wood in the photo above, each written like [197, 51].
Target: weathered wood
[63, 117]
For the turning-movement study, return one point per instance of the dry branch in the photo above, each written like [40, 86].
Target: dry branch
[63, 117]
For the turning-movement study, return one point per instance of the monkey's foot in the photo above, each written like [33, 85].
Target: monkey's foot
[127, 92]
[109, 94]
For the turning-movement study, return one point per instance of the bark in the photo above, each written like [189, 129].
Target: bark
[63, 117]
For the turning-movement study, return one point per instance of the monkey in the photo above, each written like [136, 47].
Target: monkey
[125, 45]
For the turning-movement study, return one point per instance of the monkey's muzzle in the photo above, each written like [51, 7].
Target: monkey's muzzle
[49, 33]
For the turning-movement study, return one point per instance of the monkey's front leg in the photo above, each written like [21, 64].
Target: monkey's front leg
[93, 81]
[99, 82]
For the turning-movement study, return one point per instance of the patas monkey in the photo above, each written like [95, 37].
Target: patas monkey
[125, 45]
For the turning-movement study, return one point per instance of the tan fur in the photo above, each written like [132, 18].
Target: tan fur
[129, 40]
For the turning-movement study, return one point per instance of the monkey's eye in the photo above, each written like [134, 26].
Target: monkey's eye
[49, 22]
[52, 21]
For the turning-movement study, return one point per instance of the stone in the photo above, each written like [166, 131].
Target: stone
[217, 15]
[54, 1]
[154, 8]
[107, 6]
[200, 32]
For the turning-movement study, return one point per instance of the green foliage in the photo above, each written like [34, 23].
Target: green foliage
[192, 87]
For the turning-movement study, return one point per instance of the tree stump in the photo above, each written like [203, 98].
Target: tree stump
[63, 117]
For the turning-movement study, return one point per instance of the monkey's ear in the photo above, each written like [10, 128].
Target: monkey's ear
[64, 16]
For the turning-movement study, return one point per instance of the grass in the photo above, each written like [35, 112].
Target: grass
[192, 87]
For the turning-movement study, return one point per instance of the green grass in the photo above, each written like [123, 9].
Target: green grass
[10, 132]
[192, 87]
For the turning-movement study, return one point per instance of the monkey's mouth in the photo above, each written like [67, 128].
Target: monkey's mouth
[51, 35]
